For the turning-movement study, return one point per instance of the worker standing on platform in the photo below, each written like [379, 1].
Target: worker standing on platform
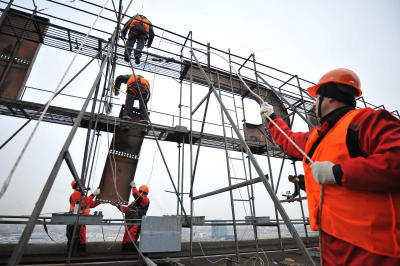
[140, 30]
[356, 157]
[136, 86]
[86, 204]
[298, 184]
[136, 210]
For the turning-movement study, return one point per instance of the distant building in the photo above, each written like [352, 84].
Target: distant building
[219, 232]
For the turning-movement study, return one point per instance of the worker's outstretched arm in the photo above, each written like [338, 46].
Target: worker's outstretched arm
[91, 202]
[300, 138]
[135, 193]
[121, 79]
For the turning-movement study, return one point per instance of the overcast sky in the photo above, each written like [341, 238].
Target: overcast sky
[307, 38]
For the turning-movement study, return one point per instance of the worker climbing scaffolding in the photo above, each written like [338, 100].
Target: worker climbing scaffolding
[140, 31]
[354, 155]
[138, 88]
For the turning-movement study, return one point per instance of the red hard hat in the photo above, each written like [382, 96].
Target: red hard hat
[144, 189]
[339, 75]
[73, 183]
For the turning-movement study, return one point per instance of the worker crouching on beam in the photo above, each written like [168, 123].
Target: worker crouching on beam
[137, 88]
[355, 155]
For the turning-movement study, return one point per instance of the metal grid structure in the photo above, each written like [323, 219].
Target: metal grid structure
[283, 90]
[65, 116]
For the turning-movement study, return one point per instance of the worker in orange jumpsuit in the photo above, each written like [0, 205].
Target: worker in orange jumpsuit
[355, 155]
[86, 204]
[136, 86]
[140, 31]
[136, 210]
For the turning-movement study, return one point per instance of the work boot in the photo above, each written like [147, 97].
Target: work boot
[143, 119]
[137, 60]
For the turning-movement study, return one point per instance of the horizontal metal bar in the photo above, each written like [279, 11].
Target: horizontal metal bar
[242, 184]
[65, 223]
[295, 199]
[235, 158]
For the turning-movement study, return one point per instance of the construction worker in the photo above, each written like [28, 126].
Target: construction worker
[85, 204]
[356, 157]
[136, 210]
[298, 181]
[140, 30]
[137, 88]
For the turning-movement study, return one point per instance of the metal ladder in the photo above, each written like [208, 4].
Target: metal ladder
[236, 165]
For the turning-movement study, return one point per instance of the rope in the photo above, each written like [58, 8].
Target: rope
[152, 166]
[265, 255]
[116, 190]
[210, 261]
[114, 176]
[47, 232]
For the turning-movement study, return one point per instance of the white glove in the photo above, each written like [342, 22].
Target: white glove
[266, 109]
[133, 184]
[323, 172]
[96, 192]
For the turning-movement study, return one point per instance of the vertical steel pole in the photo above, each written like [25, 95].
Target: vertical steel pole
[191, 150]
[183, 173]
[179, 177]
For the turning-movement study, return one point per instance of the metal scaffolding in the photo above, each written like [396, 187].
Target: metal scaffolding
[283, 90]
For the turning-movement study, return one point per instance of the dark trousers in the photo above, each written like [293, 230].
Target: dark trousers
[129, 101]
[139, 46]
[79, 241]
